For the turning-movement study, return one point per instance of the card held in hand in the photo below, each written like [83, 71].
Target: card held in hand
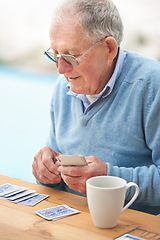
[58, 212]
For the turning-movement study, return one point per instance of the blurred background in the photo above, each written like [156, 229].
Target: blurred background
[27, 78]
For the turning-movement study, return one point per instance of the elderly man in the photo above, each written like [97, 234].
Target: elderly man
[105, 106]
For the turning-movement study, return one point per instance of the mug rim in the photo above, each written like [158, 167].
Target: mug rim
[111, 177]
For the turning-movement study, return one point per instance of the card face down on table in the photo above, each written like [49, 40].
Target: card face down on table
[58, 212]
[129, 237]
[22, 195]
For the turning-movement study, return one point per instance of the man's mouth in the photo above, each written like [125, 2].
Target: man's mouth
[71, 78]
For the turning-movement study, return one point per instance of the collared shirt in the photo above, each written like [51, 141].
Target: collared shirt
[107, 89]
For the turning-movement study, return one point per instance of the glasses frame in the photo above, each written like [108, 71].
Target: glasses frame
[51, 55]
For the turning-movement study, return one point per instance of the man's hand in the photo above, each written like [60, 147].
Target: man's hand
[45, 166]
[76, 177]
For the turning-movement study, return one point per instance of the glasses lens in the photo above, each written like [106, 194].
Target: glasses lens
[70, 60]
[51, 56]
[67, 58]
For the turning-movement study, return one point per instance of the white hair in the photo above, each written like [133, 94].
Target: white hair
[99, 18]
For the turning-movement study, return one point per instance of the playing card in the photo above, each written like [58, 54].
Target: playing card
[7, 189]
[19, 195]
[55, 213]
[22, 195]
[34, 200]
[129, 237]
[25, 197]
[20, 190]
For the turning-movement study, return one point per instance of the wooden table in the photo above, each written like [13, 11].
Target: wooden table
[19, 222]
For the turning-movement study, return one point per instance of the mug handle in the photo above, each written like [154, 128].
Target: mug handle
[130, 184]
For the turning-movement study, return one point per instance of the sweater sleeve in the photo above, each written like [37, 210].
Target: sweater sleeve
[146, 177]
[51, 142]
[54, 111]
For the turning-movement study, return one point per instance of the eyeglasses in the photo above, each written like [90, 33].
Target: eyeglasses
[71, 60]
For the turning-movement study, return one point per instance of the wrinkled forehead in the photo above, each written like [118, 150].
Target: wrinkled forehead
[68, 31]
[67, 25]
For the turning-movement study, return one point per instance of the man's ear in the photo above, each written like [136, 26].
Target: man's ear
[112, 46]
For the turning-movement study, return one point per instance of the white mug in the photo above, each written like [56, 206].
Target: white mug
[106, 197]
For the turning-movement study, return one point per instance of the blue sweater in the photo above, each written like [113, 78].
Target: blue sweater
[122, 130]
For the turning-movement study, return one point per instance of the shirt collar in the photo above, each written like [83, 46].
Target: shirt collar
[118, 68]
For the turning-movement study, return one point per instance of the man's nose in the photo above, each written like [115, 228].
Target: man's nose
[63, 66]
